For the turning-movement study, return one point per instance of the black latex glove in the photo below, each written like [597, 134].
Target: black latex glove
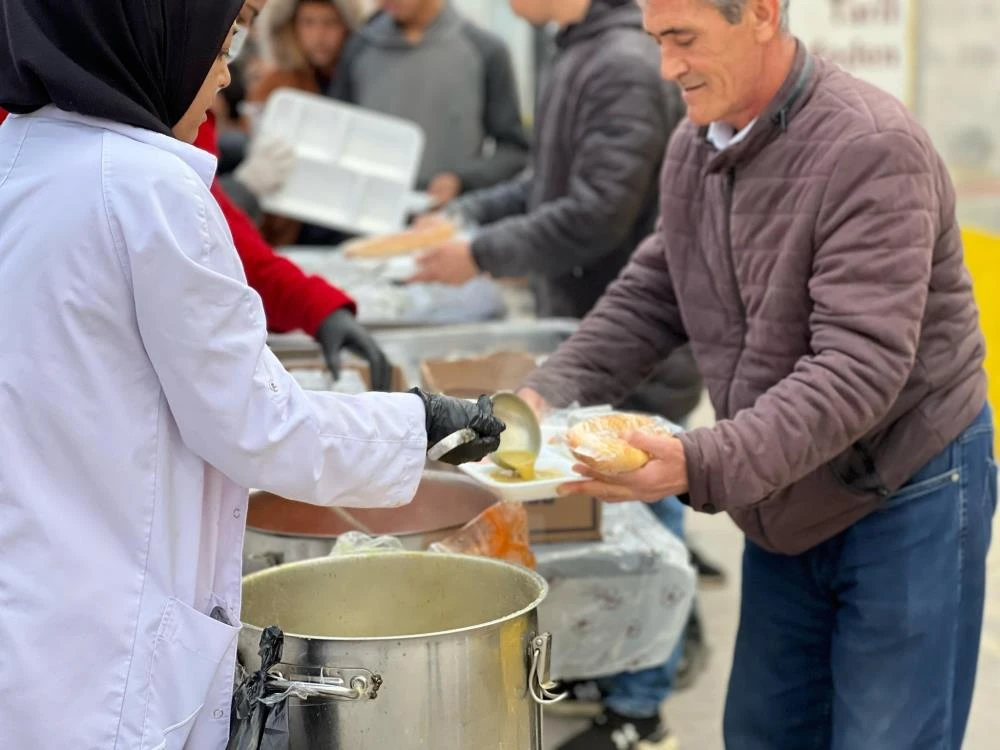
[446, 415]
[341, 330]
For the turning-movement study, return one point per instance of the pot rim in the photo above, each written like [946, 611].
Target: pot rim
[334, 537]
[534, 605]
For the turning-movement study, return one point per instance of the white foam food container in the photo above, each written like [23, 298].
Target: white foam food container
[553, 457]
[355, 169]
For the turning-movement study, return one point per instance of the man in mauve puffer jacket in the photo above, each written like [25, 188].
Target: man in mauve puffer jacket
[808, 250]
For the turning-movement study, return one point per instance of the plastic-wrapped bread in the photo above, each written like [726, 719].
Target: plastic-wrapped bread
[599, 442]
[400, 243]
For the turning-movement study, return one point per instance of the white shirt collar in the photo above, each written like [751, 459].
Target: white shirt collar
[202, 162]
[722, 135]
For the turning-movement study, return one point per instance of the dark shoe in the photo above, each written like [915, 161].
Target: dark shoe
[694, 659]
[710, 575]
[692, 664]
[583, 701]
[610, 731]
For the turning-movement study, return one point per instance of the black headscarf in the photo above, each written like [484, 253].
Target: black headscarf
[138, 62]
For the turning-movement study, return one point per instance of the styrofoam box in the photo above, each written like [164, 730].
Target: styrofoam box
[551, 458]
[355, 170]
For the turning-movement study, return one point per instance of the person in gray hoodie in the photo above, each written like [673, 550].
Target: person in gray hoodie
[421, 61]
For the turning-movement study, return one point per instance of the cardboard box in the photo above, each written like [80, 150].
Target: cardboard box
[473, 376]
[564, 519]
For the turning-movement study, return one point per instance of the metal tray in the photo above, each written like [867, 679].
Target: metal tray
[408, 348]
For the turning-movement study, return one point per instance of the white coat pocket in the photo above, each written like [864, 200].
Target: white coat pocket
[189, 648]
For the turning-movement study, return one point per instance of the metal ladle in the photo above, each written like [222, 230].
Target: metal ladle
[523, 433]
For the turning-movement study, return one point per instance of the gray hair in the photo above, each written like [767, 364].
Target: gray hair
[733, 10]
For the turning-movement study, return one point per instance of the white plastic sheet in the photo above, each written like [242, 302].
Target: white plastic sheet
[618, 605]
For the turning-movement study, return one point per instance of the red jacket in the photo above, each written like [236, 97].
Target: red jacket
[292, 300]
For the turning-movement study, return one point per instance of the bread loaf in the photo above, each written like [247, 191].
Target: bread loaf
[600, 443]
[400, 243]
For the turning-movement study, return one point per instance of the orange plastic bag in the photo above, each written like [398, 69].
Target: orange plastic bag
[500, 532]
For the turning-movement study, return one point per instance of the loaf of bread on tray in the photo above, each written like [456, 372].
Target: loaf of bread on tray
[400, 243]
[599, 442]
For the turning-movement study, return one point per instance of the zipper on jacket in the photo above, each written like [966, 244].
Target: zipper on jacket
[729, 187]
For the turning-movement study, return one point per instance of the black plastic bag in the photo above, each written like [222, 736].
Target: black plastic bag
[258, 722]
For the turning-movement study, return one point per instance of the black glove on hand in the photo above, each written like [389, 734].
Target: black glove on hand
[446, 415]
[341, 330]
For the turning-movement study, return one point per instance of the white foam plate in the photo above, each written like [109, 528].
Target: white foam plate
[551, 459]
[355, 169]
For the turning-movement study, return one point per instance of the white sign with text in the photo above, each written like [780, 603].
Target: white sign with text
[869, 38]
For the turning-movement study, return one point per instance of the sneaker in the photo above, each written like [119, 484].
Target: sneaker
[710, 575]
[611, 731]
[583, 701]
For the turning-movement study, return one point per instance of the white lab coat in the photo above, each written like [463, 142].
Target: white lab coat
[138, 401]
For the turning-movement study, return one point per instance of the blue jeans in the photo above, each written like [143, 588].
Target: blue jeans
[638, 695]
[870, 640]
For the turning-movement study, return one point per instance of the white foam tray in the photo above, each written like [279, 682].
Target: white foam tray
[553, 457]
[355, 170]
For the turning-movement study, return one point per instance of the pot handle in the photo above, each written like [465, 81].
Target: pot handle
[360, 688]
[270, 559]
[540, 683]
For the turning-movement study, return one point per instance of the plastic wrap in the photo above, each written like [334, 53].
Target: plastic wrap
[619, 605]
[599, 441]
[259, 721]
[500, 532]
[376, 286]
[359, 543]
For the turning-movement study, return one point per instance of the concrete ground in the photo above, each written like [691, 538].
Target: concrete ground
[695, 716]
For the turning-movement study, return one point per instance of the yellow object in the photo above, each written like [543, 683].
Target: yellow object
[522, 462]
[982, 256]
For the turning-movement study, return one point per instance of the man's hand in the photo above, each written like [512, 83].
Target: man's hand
[444, 188]
[451, 263]
[341, 330]
[665, 474]
[536, 401]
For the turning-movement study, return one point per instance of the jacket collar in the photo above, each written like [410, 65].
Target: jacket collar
[773, 122]
[602, 16]
[203, 163]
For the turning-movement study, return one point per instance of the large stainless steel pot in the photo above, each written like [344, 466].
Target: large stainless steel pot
[404, 651]
[281, 531]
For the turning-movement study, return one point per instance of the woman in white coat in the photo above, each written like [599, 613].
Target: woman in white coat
[138, 400]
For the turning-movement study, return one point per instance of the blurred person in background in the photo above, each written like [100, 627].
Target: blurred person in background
[421, 61]
[570, 222]
[292, 300]
[300, 42]
[809, 253]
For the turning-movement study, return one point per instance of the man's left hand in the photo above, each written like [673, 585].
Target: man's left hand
[451, 263]
[664, 476]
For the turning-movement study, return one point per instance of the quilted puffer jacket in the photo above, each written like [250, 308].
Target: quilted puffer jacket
[816, 267]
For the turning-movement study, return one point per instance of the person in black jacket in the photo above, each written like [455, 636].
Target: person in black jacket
[589, 195]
